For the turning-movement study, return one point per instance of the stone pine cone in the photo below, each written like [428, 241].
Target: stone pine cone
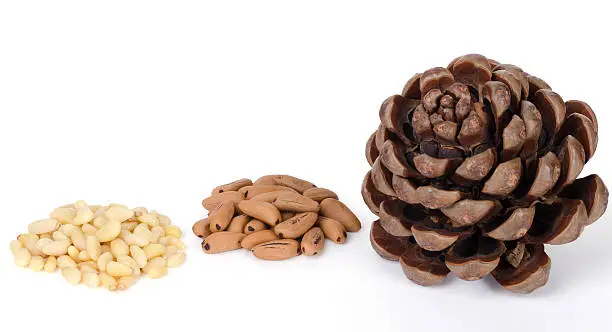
[474, 169]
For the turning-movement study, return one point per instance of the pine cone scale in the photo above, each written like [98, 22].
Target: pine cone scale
[531, 273]
[512, 227]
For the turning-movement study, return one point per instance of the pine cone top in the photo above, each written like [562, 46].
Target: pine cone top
[476, 165]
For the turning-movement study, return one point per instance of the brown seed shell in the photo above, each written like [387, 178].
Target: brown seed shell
[232, 186]
[296, 226]
[287, 215]
[254, 226]
[251, 191]
[313, 241]
[263, 211]
[213, 201]
[292, 182]
[201, 228]
[238, 223]
[257, 238]
[319, 194]
[276, 250]
[332, 229]
[289, 201]
[221, 216]
[221, 242]
[333, 208]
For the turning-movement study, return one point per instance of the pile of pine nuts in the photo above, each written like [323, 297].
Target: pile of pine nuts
[109, 246]
[277, 217]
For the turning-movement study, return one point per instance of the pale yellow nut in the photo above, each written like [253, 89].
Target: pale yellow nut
[105, 248]
[103, 260]
[23, 257]
[67, 229]
[107, 281]
[41, 243]
[117, 269]
[139, 211]
[176, 242]
[149, 219]
[25, 238]
[128, 261]
[139, 256]
[73, 252]
[176, 260]
[127, 237]
[119, 213]
[91, 279]
[37, 263]
[99, 211]
[157, 272]
[164, 221]
[119, 248]
[72, 275]
[64, 215]
[141, 227]
[88, 266]
[163, 241]
[50, 264]
[29, 241]
[156, 233]
[16, 245]
[126, 282]
[80, 204]
[43, 226]
[56, 248]
[57, 236]
[95, 208]
[78, 239]
[89, 229]
[137, 272]
[65, 261]
[99, 221]
[155, 262]
[91, 264]
[109, 231]
[117, 205]
[154, 250]
[172, 230]
[83, 256]
[83, 215]
[141, 237]
[170, 250]
[129, 225]
[94, 249]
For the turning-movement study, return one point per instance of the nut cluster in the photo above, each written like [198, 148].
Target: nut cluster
[109, 246]
[277, 217]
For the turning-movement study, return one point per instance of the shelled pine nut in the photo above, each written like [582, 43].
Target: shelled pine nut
[101, 246]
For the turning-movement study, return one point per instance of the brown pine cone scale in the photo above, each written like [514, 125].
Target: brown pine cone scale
[474, 168]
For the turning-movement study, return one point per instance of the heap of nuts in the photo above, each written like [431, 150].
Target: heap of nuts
[109, 246]
[277, 217]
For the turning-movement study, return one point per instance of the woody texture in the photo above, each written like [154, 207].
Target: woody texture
[474, 169]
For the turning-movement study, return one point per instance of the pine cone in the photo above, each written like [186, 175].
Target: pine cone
[474, 169]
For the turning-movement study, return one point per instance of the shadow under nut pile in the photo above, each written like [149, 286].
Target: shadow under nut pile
[277, 217]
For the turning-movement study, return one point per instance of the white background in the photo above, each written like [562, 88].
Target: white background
[154, 103]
